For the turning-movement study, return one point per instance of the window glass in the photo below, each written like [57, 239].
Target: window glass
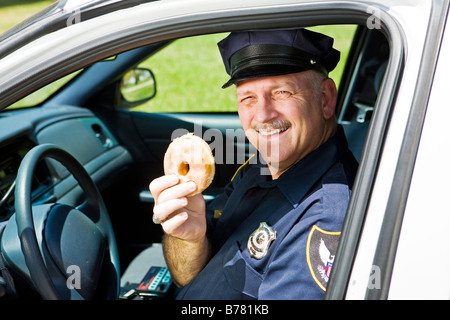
[44, 93]
[189, 73]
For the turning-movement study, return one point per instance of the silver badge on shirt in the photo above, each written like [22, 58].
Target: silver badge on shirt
[260, 240]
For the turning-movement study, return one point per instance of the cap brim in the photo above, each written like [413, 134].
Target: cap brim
[264, 73]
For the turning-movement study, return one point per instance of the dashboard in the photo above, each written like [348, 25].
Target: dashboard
[10, 159]
[73, 129]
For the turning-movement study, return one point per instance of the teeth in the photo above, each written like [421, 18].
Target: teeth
[269, 132]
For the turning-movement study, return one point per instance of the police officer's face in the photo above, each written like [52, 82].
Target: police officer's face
[286, 117]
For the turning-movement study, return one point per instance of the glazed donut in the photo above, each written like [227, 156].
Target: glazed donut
[190, 158]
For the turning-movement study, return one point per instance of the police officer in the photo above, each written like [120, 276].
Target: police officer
[274, 232]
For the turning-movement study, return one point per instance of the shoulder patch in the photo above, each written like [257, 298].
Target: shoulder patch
[320, 252]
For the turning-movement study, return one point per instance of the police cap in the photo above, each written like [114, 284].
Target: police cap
[256, 54]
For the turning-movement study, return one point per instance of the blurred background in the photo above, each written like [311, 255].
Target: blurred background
[14, 11]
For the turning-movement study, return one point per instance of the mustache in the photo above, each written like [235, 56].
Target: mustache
[272, 125]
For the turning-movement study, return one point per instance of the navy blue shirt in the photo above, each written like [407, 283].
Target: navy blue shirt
[304, 208]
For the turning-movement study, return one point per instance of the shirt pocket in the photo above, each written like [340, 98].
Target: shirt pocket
[240, 275]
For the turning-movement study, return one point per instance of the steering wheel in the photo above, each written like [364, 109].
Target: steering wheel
[70, 253]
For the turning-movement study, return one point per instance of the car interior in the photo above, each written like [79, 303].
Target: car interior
[90, 147]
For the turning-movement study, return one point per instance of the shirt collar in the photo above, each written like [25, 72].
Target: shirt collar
[298, 180]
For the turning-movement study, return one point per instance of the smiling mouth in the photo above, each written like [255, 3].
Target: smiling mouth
[271, 132]
[273, 128]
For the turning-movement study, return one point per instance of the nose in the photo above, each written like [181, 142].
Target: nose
[264, 110]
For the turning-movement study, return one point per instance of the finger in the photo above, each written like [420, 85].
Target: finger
[164, 209]
[171, 225]
[178, 191]
[160, 184]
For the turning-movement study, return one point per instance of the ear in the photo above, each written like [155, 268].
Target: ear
[329, 97]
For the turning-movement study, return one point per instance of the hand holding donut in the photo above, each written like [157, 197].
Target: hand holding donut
[179, 205]
[182, 217]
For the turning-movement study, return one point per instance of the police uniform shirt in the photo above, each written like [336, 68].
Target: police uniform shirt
[276, 239]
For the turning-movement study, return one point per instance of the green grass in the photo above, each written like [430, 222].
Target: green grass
[13, 12]
[189, 76]
[189, 73]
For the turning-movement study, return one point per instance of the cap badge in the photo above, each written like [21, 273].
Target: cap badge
[260, 240]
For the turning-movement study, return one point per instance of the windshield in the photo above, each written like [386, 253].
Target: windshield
[15, 14]
[44, 93]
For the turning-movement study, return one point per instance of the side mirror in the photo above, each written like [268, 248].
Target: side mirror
[137, 86]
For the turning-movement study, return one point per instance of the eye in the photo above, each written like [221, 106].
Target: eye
[245, 99]
[282, 95]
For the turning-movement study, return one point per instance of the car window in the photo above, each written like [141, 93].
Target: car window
[189, 73]
[43, 93]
